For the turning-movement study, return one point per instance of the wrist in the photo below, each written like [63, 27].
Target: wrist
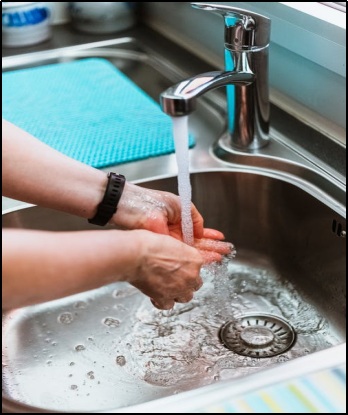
[129, 208]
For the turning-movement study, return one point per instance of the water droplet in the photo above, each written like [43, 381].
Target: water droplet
[80, 304]
[80, 347]
[282, 359]
[73, 387]
[70, 375]
[254, 362]
[121, 293]
[111, 322]
[71, 363]
[121, 360]
[49, 362]
[65, 318]
[54, 343]
[90, 339]
[90, 375]
[216, 377]
[208, 369]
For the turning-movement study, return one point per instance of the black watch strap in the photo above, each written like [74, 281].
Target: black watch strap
[108, 206]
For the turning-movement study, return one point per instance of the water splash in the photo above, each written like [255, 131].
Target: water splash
[182, 345]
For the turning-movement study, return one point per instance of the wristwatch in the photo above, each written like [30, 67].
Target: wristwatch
[108, 206]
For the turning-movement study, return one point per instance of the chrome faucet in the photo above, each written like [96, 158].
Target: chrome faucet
[246, 78]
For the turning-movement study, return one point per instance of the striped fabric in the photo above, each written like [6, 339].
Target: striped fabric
[321, 392]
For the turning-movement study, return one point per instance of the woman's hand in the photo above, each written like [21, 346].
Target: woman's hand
[168, 270]
[57, 264]
[153, 210]
[211, 246]
[160, 212]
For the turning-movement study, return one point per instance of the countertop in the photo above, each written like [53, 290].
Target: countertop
[308, 390]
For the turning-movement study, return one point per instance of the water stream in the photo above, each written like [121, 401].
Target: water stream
[181, 137]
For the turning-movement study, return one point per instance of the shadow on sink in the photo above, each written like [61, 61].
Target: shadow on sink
[282, 297]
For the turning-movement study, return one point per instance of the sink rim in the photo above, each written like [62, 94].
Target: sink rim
[339, 206]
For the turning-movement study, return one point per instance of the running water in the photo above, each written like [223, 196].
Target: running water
[181, 136]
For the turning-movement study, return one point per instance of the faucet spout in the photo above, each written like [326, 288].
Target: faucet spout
[247, 36]
[180, 99]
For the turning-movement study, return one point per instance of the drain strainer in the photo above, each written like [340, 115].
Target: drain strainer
[261, 335]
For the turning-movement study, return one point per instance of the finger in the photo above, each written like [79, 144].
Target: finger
[198, 285]
[213, 234]
[184, 299]
[210, 256]
[223, 248]
[163, 304]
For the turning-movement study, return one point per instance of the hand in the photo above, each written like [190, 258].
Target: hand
[153, 210]
[160, 212]
[211, 246]
[167, 270]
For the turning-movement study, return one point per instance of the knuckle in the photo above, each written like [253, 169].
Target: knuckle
[162, 304]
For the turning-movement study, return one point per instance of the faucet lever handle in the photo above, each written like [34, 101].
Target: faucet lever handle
[244, 30]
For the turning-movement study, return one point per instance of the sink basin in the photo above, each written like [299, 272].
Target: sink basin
[281, 299]
[110, 348]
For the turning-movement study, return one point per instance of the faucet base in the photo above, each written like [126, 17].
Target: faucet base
[225, 150]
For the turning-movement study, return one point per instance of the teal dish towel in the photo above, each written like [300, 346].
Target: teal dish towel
[88, 110]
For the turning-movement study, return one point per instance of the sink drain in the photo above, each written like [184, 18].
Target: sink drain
[260, 335]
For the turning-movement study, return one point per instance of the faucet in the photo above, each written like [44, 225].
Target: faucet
[246, 79]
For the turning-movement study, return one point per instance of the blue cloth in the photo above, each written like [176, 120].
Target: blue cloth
[88, 110]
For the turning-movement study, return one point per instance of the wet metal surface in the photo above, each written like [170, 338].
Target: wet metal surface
[110, 348]
[257, 335]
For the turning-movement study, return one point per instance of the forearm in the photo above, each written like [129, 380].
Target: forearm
[40, 266]
[36, 173]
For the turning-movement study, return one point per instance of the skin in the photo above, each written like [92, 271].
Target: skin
[149, 253]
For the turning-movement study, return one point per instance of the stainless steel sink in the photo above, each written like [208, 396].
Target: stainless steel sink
[110, 348]
[281, 299]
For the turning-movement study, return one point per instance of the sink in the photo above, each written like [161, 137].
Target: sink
[110, 348]
[280, 300]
